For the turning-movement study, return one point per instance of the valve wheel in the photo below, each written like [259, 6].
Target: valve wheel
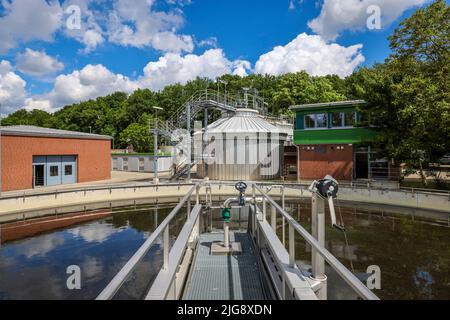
[241, 186]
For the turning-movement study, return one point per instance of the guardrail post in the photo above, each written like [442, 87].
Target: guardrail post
[166, 248]
[197, 195]
[283, 203]
[273, 219]
[189, 210]
[318, 232]
[291, 246]
[264, 209]
[254, 211]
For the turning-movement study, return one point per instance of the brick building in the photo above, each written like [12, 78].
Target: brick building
[331, 140]
[37, 157]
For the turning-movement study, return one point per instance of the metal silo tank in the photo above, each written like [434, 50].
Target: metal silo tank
[247, 147]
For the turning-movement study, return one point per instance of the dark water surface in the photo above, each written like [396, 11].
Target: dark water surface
[414, 256]
[35, 267]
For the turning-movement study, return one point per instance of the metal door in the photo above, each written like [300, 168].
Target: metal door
[69, 169]
[53, 172]
[361, 165]
[39, 176]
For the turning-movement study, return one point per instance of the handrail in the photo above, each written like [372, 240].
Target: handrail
[24, 195]
[348, 277]
[164, 282]
[117, 282]
[225, 101]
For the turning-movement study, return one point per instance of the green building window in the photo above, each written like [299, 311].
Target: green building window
[316, 121]
[337, 119]
[310, 122]
[343, 119]
[350, 119]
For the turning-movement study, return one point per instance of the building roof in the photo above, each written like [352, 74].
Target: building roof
[244, 121]
[32, 131]
[336, 104]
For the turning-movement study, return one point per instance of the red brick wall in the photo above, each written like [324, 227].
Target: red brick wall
[316, 165]
[93, 163]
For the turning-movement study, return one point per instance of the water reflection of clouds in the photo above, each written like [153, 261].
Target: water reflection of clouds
[91, 267]
[96, 232]
[42, 245]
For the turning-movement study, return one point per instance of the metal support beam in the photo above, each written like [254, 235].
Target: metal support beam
[283, 205]
[226, 235]
[273, 219]
[155, 152]
[318, 232]
[205, 143]
[264, 209]
[197, 195]
[189, 210]
[291, 246]
[166, 248]
[189, 151]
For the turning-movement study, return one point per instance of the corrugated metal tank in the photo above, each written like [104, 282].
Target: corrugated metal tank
[242, 147]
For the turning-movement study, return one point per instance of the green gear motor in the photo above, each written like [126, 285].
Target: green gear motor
[226, 214]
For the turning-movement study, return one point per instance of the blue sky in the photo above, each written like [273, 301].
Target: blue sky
[125, 45]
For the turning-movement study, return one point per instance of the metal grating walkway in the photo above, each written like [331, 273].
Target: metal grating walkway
[224, 277]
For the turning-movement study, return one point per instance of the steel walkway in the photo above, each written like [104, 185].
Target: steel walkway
[222, 277]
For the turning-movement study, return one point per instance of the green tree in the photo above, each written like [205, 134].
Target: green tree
[30, 118]
[300, 88]
[138, 135]
[408, 96]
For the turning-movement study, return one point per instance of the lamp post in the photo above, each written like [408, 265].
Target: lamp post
[224, 83]
[218, 90]
[155, 145]
[246, 96]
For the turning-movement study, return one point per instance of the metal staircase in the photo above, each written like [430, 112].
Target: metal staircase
[212, 99]
[205, 99]
[181, 170]
[189, 111]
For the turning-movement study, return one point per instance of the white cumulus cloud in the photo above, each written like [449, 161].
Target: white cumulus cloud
[96, 80]
[313, 55]
[90, 82]
[12, 88]
[135, 23]
[174, 68]
[90, 32]
[37, 63]
[339, 15]
[24, 21]
[36, 104]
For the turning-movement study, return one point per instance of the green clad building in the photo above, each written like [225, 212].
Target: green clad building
[331, 140]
